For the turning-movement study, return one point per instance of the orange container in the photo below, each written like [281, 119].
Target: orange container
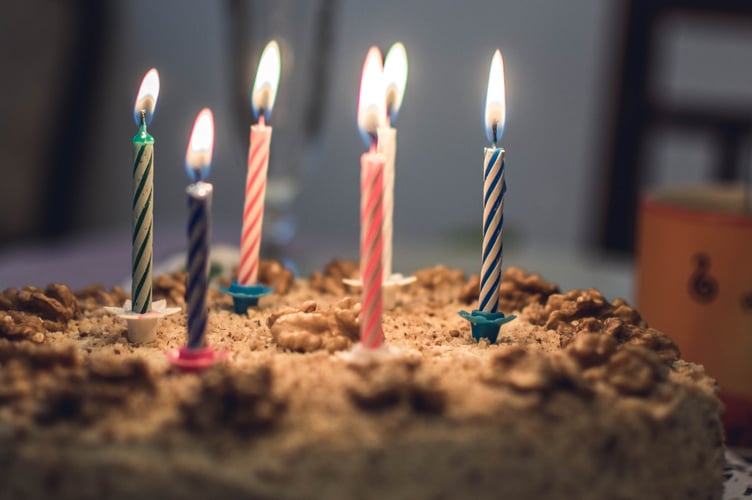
[694, 282]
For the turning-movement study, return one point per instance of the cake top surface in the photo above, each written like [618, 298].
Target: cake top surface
[66, 364]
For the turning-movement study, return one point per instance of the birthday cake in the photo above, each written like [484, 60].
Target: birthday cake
[577, 399]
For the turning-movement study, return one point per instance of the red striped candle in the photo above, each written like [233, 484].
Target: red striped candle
[371, 247]
[262, 101]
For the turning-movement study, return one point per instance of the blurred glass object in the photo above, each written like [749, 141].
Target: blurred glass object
[304, 31]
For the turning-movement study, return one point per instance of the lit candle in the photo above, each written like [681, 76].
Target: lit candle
[262, 100]
[143, 194]
[197, 162]
[494, 188]
[371, 115]
[395, 78]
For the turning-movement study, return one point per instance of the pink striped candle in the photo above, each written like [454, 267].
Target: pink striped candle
[253, 210]
[371, 116]
[262, 100]
[371, 246]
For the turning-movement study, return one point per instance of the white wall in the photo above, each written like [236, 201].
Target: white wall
[554, 54]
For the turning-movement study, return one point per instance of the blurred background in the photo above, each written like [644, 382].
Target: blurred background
[604, 99]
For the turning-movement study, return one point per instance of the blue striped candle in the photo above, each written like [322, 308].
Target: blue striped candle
[197, 163]
[199, 209]
[494, 188]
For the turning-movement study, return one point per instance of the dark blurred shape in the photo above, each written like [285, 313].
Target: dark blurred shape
[638, 110]
[306, 35]
[70, 122]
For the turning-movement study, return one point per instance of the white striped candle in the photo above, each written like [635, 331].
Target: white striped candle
[387, 146]
[197, 163]
[494, 188]
[143, 195]
[493, 226]
[395, 81]
[263, 96]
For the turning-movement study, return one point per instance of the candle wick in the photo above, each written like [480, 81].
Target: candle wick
[143, 117]
[494, 131]
[374, 143]
[197, 175]
[262, 119]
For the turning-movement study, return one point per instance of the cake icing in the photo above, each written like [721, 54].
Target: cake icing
[577, 399]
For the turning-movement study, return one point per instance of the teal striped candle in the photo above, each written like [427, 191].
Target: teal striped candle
[143, 195]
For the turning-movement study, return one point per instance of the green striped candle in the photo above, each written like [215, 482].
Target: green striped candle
[143, 195]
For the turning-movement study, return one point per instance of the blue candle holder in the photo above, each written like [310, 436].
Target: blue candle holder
[245, 296]
[486, 325]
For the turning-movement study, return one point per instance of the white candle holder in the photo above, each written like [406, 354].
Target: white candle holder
[390, 287]
[365, 356]
[142, 328]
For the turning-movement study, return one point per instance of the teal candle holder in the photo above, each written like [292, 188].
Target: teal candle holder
[486, 325]
[245, 296]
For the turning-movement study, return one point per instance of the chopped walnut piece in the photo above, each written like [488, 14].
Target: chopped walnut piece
[307, 307]
[519, 369]
[519, 289]
[529, 371]
[171, 287]
[634, 370]
[8, 299]
[330, 281]
[615, 328]
[625, 312]
[591, 349]
[55, 305]
[64, 296]
[439, 284]
[272, 273]
[347, 317]
[566, 313]
[307, 329]
[95, 297]
[436, 277]
[657, 342]
[18, 325]
[36, 302]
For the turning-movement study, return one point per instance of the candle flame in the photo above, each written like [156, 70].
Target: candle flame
[496, 109]
[146, 99]
[198, 157]
[371, 102]
[267, 81]
[395, 76]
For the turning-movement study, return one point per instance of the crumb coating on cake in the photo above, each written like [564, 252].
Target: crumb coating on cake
[576, 387]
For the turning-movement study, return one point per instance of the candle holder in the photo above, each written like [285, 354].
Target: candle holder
[245, 296]
[365, 356]
[142, 328]
[194, 360]
[390, 287]
[486, 325]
